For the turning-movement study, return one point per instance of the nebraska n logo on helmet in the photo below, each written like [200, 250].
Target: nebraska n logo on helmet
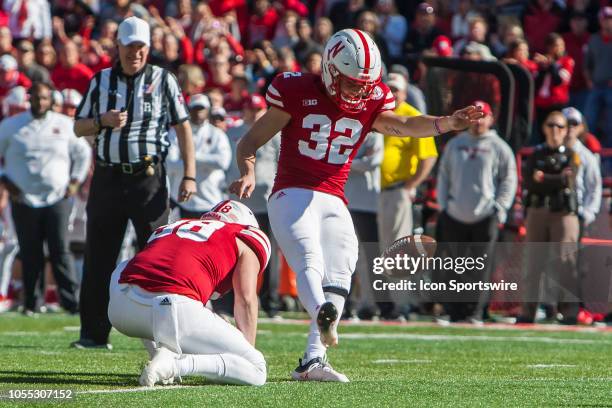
[351, 68]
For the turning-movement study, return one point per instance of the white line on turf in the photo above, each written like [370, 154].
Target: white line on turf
[550, 365]
[137, 389]
[407, 336]
[393, 361]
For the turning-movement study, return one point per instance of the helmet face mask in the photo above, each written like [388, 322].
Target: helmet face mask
[351, 69]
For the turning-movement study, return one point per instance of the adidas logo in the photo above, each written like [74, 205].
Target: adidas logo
[281, 194]
[165, 302]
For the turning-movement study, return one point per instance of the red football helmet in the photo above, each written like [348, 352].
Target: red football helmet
[351, 68]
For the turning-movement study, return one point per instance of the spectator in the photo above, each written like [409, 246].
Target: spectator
[263, 21]
[460, 22]
[588, 178]
[510, 33]
[267, 158]
[6, 41]
[27, 64]
[305, 45]
[550, 197]
[15, 101]
[234, 101]
[436, 81]
[599, 76]
[212, 154]
[518, 53]
[10, 77]
[323, 30]
[71, 99]
[576, 43]
[46, 55]
[44, 163]
[423, 31]
[29, 19]
[220, 76]
[57, 101]
[313, 63]
[287, 61]
[415, 96]
[541, 18]
[476, 184]
[191, 80]
[555, 70]
[286, 34]
[392, 28]
[368, 22]
[362, 192]
[344, 13]
[70, 73]
[477, 34]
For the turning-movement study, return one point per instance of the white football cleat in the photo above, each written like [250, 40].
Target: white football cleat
[317, 369]
[327, 320]
[162, 368]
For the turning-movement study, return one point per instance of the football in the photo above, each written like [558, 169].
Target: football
[413, 246]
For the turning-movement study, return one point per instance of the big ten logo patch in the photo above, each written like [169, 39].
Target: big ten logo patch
[309, 102]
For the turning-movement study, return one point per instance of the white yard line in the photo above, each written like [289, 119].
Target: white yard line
[137, 389]
[393, 361]
[441, 337]
[551, 365]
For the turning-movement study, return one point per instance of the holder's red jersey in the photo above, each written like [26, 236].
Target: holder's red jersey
[320, 141]
[195, 258]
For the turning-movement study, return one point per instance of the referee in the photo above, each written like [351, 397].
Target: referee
[129, 108]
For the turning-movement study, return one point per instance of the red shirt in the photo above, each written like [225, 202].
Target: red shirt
[592, 143]
[20, 80]
[263, 27]
[320, 141]
[537, 25]
[576, 48]
[76, 77]
[194, 258]
[549, 94]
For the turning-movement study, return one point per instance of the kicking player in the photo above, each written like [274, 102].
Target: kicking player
[324, 119]
[159, 296]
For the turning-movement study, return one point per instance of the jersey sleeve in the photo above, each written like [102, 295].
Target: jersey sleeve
[257, 240]
[281, 91]
[388, 100]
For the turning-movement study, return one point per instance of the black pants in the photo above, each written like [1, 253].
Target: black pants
[450, 234]
[34, 226]
[114, 199]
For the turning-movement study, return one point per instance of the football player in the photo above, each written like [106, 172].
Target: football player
[324, 119]
[160, 296]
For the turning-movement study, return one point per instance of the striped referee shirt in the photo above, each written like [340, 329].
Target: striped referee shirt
[153, 101]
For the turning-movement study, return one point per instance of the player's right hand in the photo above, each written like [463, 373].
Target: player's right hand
[114, 118]
[243, 187]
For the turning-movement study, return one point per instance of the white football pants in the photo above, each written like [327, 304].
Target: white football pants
[316, 235]
[216, 349]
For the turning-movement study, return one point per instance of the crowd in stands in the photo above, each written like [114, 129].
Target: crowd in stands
[225, 53]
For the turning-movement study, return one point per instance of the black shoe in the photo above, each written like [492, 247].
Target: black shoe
[568, 321]
[608, 318]
[524, 320]
[87, 344]
[326, 320]
[366, 313]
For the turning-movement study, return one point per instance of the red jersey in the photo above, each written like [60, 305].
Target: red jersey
[194, 258]
[550, 94]
[76, 77]
[320, 141]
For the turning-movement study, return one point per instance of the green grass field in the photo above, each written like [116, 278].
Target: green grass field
[404, 365]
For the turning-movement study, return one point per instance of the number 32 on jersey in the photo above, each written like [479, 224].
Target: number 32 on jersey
[336, 150]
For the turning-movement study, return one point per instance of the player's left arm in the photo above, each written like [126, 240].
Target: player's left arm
[391, 124]
[244, 282]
